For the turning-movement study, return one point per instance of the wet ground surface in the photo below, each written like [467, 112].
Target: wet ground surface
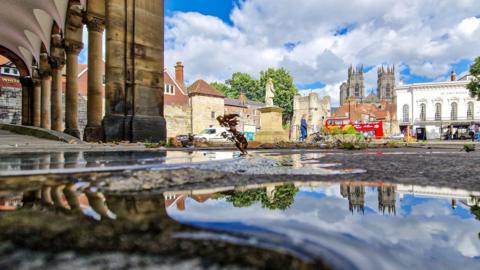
[395, 209]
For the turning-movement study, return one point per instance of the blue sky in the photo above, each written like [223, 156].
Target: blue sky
[316, 41]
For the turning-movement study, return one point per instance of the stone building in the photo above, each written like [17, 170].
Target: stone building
[435, 108]
[206, 104]
[177, 109]
[10, 93]
[354, 88]
[379, 106]
[315, 109]
[249, 116]
[386, 83]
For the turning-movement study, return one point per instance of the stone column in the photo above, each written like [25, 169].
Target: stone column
[72, 48]
[56, 107]
[134, 69]
[27, 90]
[96, 25]
[37, 102]
[46, 83]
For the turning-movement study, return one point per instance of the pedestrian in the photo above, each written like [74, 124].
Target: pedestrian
[472, 132]
[303, 128]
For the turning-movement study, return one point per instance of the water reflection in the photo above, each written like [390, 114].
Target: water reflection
[350, 225]
[365, 225]
[38, 163]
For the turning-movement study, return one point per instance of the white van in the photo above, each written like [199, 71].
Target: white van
[213, 134]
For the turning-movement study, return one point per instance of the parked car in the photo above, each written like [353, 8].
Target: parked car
[213, 134]
[398, 136]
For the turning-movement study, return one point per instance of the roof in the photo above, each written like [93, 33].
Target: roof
[201, 87]
[234, 102]
[4, 60]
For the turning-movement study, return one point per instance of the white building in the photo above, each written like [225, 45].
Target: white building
[438, 108]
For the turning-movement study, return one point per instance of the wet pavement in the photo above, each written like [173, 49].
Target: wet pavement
[213, 210]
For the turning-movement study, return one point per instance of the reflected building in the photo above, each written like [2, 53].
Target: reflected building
[386, 199]
[355, 195]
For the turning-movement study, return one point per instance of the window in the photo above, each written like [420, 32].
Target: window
[169, 89]
[6, 70]
[388, 93]
[423, 112]
[454, 112]
[213, 115]
[470, 111]
[438, 112]
[357, 90]
[406, 114]
[15, 71]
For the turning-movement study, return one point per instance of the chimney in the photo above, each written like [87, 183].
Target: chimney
[179, 74]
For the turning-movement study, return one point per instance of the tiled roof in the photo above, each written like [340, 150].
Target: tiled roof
[201, 87]
[234, 102]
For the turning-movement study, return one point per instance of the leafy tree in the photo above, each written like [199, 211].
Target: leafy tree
[285, 90]
[247, 198]
[284, 197]
[474, 86]
[227, 91]
[243, 82]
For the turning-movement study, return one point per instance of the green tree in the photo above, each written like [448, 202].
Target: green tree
[474, 85]
[243, 82]
[282, 200]
[285, 90]
[227, 91]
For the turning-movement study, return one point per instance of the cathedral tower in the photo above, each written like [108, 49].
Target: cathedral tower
[356, 84]
[386, 83]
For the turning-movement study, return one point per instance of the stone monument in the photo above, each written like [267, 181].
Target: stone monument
[271, 130]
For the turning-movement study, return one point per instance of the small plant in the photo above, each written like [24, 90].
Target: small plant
[151, 145]
[469, 148]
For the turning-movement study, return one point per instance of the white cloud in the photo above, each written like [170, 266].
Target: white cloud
[427, 36]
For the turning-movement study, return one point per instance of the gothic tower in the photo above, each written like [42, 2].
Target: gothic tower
[356, 84]
[386, 83]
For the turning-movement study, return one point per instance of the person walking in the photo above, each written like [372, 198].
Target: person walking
[303, 129]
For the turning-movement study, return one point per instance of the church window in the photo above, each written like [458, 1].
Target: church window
[212, 114]
[406, 114]
[388, 93]
[423, 112]
[438, 112]
[357, 90]
[470, 111]
[454, 112]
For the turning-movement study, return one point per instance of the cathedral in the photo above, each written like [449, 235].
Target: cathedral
[354, 88]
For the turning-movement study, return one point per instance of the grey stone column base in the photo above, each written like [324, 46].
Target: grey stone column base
[93, 134]
[134, 128]
[73, 132]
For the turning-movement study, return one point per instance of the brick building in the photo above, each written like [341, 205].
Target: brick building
[10, 93]
[177, 110]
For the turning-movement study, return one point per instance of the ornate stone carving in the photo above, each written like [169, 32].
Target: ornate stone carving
[269, 93]
[73, 46]
[94, 22]
[75, 18]
[56, 62]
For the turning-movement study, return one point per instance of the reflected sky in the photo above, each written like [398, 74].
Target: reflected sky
[373, 226]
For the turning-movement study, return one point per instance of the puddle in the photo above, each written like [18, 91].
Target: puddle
[69, 162]
[348, 225]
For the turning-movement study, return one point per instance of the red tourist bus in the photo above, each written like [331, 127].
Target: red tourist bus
[374, 129]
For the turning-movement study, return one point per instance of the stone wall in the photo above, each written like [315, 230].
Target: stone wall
[202, 108]
[315, 109]
[10, 105]
[82, 113]
[178, 120]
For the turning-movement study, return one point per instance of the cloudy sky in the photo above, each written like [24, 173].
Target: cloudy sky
[425, 233]
[317, 40]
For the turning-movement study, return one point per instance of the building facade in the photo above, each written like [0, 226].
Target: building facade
[249, 115]
[177, 109]
[207, 103]
[10, 93]
[386, 84]
[315, 110]
[437, 108]
[354, 88]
